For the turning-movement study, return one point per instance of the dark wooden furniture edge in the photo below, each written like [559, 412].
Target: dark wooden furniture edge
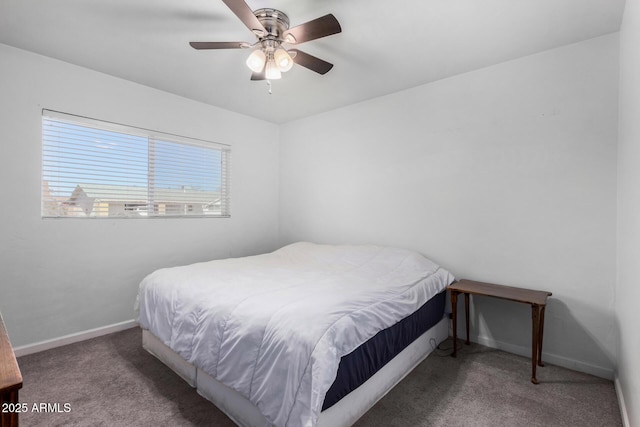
[511, 293]
[537, 300]
[10, 380]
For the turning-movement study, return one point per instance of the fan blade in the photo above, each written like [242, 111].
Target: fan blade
[319, 27]
[219, 45]
[311, 62]
[244, 12]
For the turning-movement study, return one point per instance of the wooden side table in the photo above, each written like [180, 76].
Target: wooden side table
[10, 379]
[537, 300]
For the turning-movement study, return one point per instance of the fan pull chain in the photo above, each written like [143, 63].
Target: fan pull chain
[269, 84]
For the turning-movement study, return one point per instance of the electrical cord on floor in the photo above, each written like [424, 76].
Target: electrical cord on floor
[445, 348]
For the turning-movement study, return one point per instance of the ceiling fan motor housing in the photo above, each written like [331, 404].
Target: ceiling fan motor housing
[274, 21]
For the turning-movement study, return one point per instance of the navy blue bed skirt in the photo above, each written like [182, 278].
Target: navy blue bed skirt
[359, 365]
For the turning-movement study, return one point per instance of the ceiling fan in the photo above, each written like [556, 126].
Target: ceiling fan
[271, 27]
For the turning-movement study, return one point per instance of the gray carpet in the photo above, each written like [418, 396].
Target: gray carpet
[112, 381]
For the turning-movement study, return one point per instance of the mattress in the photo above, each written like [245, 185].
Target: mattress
[343, 414]
[274, 327]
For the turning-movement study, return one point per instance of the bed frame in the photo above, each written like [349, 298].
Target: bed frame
[344, 413]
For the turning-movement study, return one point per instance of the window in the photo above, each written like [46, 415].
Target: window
[94, 169]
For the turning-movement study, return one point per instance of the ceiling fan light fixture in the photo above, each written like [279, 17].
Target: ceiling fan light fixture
[283, 60]
[272, 72]
[269, 58]
[256, 60]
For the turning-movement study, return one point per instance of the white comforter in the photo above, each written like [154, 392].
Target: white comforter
[274, 327]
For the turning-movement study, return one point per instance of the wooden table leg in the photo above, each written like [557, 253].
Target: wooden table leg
[535, 340]
[466, 315]
[541, 334]
[9, 419]
[454, 316]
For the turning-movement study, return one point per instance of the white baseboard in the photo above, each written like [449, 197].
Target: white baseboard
[73, 338]
[623, 406]
[554, 359]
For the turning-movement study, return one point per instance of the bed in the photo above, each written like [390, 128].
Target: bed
[308, 335]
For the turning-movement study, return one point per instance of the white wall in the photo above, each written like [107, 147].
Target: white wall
[628, 286]
[506, 174]
[59, 277]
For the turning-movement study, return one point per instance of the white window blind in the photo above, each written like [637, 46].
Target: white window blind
[94, 169]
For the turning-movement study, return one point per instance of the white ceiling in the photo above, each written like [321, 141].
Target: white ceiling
[384, 47]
